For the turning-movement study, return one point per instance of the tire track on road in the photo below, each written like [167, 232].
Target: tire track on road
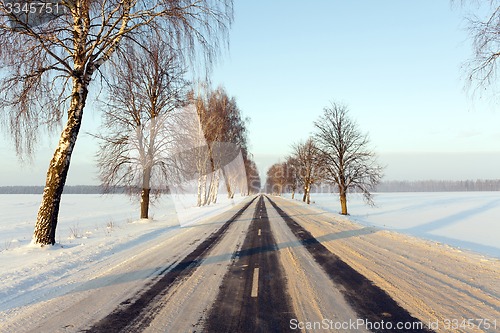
[138, 311]
[371, 303]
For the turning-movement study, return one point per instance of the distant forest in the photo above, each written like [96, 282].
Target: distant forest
[387, 186]
[439, 186]
[78, 189]
[426, 186]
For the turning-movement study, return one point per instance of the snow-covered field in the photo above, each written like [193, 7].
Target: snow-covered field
[465, 220]
[94, 220]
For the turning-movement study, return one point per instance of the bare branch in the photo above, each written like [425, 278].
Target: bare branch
[345, 156]
[482, 69]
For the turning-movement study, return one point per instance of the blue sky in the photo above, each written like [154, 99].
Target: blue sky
[398, 65]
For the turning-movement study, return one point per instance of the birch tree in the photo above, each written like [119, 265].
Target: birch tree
[344, 155]
[49, 67]
[208, 132]
[141, 118]
[215, 122]
[485, 33]
[224, 131]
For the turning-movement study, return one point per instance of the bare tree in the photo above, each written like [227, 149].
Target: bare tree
[292, 167]
[49, 66]
[308, 166]
[216, 122]
[345, 157]
[485, 33]
[283, 177]
[276, 178]
[253, 178]
[224, 133]
[140, 122]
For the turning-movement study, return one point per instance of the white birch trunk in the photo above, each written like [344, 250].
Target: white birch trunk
[214, 188]
[46, 223]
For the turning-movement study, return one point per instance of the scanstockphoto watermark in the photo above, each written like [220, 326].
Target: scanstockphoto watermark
[27, 14]
[357, 324]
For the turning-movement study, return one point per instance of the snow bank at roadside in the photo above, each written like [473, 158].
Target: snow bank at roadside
[91, 230]
[463, 220]
[436, 283]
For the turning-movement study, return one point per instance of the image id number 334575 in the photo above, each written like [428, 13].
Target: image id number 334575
[464, 324]
[31, 7]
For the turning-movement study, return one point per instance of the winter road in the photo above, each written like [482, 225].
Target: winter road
[253, 294]
[254, 268]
